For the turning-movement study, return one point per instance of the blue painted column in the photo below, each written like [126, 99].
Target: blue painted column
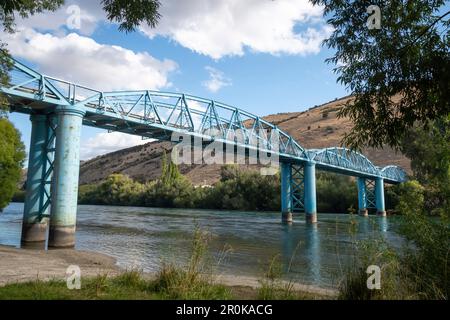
[379, 196]
[362, 197]
[35, 218]
[310, 192]
[65, 178]
[286, 199]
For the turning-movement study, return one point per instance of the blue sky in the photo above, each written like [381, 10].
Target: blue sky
[264, 57]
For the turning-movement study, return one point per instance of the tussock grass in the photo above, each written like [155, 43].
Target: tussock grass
[418, 271]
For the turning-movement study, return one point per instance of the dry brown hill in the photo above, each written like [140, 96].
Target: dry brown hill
[317, 127]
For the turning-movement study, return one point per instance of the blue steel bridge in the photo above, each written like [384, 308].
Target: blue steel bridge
[58, 109]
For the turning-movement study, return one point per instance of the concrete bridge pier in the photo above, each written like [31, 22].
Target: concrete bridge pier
[286, 196]
[36, 210]
[65, 178]
[379, 196]
[362, 197]
[310, 192]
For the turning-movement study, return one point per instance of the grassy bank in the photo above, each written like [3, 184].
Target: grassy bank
[132, 285]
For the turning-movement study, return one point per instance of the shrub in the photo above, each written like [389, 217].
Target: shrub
[12, 155]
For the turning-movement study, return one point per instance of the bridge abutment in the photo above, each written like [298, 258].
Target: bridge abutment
[36, 209]
[362, 197]
[310, 192]
[65, 178]
[379, 196]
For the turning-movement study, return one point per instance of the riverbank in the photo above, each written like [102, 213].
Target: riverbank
[20, 268]
[22, 265]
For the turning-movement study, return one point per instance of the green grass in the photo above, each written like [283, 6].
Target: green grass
[130, 285]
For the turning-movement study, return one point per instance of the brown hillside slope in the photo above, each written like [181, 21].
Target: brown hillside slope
[317, 127]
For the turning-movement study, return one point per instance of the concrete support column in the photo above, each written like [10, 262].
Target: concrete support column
[379, 196]
[35, 217]
[310, 192]
[286, 198]
[362, 197]
[65, 178]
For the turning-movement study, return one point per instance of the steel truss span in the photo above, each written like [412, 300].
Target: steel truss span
[155, 114]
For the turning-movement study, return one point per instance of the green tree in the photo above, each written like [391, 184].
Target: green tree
[172, 189]
[426, 261]
[170, 174]
[399, 74]
[429, 151]
[336, 193]
[411, 198]
[12, 155]
[117, 189]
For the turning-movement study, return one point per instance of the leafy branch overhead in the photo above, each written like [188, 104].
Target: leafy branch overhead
[130, 14]
[399, 74]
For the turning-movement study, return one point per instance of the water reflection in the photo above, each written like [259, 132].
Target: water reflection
[365, 225]
[383, 223]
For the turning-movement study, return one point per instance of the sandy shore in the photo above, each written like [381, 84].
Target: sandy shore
[20, 265]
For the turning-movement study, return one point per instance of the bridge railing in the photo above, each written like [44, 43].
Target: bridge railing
[346, 158]
[198, 115]
[28, 83]
[394, 173]
[343, 158]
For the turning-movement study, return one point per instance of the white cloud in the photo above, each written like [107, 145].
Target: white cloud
[227, 27]
[105, 142]
[216, 81]
[89, 12]
[82, 60]
[214, 28]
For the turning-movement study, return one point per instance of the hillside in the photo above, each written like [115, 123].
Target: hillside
[317, 127]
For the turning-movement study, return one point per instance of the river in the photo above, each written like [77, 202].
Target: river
[244, 243]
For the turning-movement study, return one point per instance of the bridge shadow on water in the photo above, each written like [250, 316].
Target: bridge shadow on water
[309, 244]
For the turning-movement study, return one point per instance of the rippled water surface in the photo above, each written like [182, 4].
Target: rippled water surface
[143, 237]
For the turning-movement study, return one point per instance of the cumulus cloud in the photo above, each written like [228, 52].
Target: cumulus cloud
[82, 16]
[82, 60]
[105, 142]
[227, 27]
[214, 28]
[216, 81]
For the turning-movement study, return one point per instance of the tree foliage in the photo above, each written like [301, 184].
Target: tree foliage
[336, 193]
[130, 14]
[429, 151]
[399, 74]
[426, 262]
[236, 190]
[12, 154]
[24, 8]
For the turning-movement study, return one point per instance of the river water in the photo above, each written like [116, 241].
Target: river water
[243, 243]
